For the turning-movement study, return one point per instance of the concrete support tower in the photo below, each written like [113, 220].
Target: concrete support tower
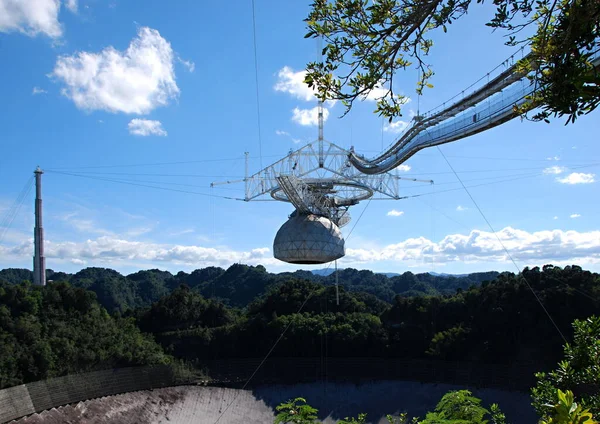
[39, 261]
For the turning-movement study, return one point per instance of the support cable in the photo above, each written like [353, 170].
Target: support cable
[312, 292]
[13, 211]
[287, 328]
[504, 248]
[256, 81]
[337, 290]
[145, 185]
[134, 165]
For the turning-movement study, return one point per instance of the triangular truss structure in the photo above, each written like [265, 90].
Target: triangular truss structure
[319, 179]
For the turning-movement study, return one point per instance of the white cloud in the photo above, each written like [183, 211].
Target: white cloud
[556, 217]
[282, 133]
[38, 90]
[308, 117]
[379, 91]
[577, 178]
[541, 247]
[71, 5]
[292, 83]
[574, 215]
[461, 208]
[137, 80]
[191, 66]
[553, 158]
[376, 93]
[555, 170]
[527, 248]
[394, 212]
[117, 250]
[403, 168]
[396, 127]
[145, 127]
[30, 17]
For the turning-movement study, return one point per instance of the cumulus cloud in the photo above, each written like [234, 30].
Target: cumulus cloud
[403, 168]
[396, 127]
[395, 212]
[146, 127]
[116, 250]
[38, 90]
[292, 83]
[461, 208]
[528, 248]
[574, 215]
[376, 93]
[555, 170]
[308, 117]
[136, 80]
[30, 17]
[551, 246]
[577, 178]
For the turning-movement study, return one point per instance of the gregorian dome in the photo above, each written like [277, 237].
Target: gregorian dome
[308, 239]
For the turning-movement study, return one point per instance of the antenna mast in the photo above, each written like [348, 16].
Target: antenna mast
[39, 261]
[321, 158]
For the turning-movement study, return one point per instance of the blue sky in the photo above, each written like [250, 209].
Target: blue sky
[93, 87]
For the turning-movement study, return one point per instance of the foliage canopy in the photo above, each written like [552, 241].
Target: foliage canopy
[369, 41]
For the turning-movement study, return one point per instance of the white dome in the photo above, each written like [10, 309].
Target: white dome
[308, 239]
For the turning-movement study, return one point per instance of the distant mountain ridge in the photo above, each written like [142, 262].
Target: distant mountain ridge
[328, 271]
[239, 284]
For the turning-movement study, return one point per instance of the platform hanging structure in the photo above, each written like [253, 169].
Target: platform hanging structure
[322, 180]
[39, 260]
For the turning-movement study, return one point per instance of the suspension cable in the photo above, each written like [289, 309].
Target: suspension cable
[145, 185]
[256, 81]
[504, 248]
[13, 211]
[312, 292]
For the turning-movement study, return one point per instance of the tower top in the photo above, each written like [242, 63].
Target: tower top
[38, 170]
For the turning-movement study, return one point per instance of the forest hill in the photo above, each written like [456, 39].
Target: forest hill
[155, 316]
[240, 284]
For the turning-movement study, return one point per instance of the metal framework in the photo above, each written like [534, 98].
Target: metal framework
[319, 179]
[491, 105]
[324, 179]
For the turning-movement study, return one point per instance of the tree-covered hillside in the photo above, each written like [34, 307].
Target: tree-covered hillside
[497, 322]
[62, 328]
[239, 285]
[59, 329]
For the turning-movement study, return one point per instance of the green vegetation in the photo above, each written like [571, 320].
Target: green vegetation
[296, 411]
[566, 411]
[59, 329]
[65, 328]
[368, 43]
[240, 312]
[579, 371]
[455, 407]
[240, 284]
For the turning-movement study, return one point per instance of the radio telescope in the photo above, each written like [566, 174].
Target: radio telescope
[321, 183]
[322, 180]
